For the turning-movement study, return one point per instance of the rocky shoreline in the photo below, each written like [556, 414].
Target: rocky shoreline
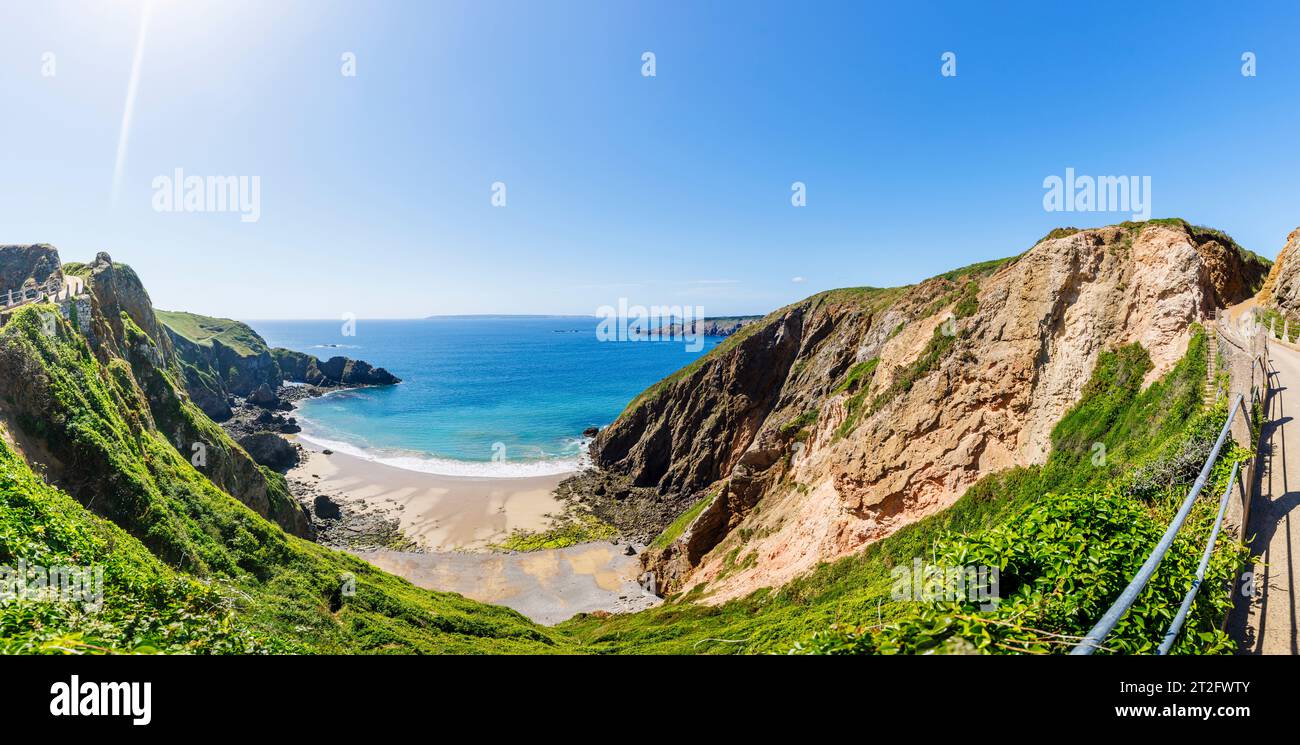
[260, 422]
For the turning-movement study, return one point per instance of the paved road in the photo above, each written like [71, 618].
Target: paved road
[1268, 624]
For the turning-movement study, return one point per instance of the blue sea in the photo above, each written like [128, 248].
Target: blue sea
[521, 389]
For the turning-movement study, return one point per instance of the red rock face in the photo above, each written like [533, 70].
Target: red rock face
[987, 400]
[1282, 287]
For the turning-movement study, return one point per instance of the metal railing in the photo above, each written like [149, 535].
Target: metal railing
[1172, 633]
[1139, 582]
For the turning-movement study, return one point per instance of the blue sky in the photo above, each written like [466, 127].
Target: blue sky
[375, 189]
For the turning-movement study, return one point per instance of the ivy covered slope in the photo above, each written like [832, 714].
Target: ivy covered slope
[1066, 537]
[188, 565]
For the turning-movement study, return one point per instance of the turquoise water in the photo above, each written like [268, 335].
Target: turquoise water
[523, 389]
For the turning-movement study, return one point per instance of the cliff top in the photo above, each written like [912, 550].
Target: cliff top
[202, 330]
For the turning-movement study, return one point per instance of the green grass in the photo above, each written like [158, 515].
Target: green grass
[799, 425]
[859, 376]
[1145, 430]
[977, 269]
[286, 593]
[683, 521]
[202, 330]
[568, 530]
[147, 607]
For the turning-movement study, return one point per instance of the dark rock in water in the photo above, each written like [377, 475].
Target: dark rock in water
[355, 372]
[289, 428]
[271, 450]
[327, 451]
[326, 508]
[591, 431]
[630, 550]
[265, 397]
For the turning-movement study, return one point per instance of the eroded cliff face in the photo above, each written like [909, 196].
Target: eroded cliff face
[37, 263]
[1282, 287]
[132, 348]
[840, 419]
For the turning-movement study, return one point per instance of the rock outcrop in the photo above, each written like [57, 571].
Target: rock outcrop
[837, 420]
[304, 368]
[37, 263]
[270, 450]
[222, 359]
[720, 326]
[128, 339]
[1282, 287]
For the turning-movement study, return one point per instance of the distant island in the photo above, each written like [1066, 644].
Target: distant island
[719, 326]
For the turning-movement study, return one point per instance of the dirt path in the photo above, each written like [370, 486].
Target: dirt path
[1268, 624]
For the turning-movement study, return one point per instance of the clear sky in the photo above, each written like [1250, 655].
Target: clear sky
[375, 190]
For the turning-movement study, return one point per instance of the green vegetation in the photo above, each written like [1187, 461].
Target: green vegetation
[1056, 233]
[859, 376]
[1037, 556]
[568, 530]
[798, 427]
[941, 342]
[147, 607]
[1273, 318]
[202, 330]
[286, 593]
[683, 521]
[978, 269]
[76, 269]
[1077, 502]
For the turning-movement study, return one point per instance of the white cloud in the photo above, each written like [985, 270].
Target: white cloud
[798, 280]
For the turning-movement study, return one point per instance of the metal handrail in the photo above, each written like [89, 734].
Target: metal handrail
[1139, 582]
[1177, 625]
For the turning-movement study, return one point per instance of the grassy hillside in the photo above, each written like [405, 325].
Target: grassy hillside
[1150, 438]
[203, 330]
[183, 542]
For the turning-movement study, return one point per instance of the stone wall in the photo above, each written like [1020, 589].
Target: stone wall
[1242, 350]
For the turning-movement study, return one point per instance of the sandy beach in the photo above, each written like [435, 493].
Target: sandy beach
[456, 519]
[441, 513]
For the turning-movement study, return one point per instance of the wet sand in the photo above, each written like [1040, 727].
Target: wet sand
[547, 586]
[441, 513]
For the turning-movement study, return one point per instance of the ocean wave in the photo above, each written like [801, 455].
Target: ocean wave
[424, 463]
